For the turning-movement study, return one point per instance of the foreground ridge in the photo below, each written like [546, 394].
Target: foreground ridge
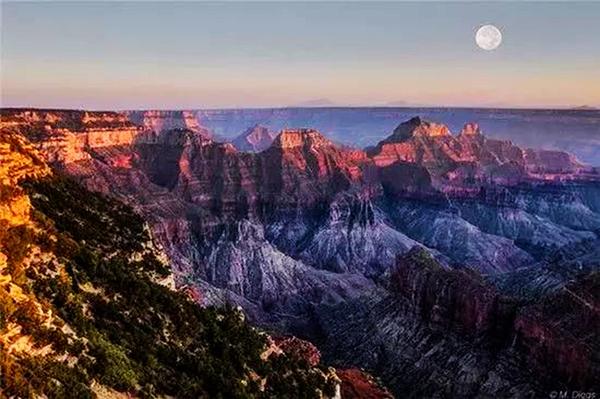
[88, 307]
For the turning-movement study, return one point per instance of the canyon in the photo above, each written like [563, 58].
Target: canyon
[440, 262]
[575, 131]
[88, 307]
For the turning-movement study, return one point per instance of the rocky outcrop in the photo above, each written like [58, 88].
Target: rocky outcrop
[69, 136]
[300, 168]
[239, 258]
[470, 129]
[164, 121]
[254, 139]
[546, 164]
[298, 348]
[18, 162]
[560, 335]
[358, 384]
[470, 157]
[571, 130]
[451, 299]
[439, 226]
[405, 179]
[528, 226]
[416, 141]
[450, 331]
[353, 383]
[309, 151]
[352, 234]
[417, 127]
[414, 358]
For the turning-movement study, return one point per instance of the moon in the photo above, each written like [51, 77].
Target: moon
[488, 37]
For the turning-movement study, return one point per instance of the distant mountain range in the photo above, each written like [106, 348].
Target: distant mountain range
[586, 108]
[317, 102]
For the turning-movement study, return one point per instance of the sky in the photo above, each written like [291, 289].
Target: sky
[173, 55]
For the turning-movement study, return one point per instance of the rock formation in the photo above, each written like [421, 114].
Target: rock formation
[86, 307]
[441, 330]
[254, 139]
[164, 121]
[470, 157]
[358, 384]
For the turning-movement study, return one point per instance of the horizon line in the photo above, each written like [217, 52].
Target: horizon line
[235, 108]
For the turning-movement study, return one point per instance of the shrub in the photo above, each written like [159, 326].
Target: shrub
[140, 335]
[112, 365]
[7, 307]
[16, 244]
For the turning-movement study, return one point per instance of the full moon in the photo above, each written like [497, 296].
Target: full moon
[488, 37]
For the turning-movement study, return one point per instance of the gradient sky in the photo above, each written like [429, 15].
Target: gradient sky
[198, 55]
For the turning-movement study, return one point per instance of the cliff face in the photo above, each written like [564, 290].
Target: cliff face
[470, 157]
[443, 330]
[558, 336]
[176, 174]
[304, 165]
[22, 253]
[255, 139]
[163, 121]
[297, 169]
[18, 161]
[358, 384]
[86, 301]
[457, 165]
[454, 299]
[69, 136]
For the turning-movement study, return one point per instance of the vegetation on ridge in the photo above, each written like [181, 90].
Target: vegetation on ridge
[115, 325]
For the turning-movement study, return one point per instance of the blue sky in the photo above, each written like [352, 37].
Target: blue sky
[194, 55]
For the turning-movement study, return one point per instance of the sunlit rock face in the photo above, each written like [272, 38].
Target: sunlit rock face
[71, 136]
[68, 136]
[233, 184]
[163, 121]
[310, 152]
[456, 163]
[470, 129]
[19, 161]
[417, 127]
